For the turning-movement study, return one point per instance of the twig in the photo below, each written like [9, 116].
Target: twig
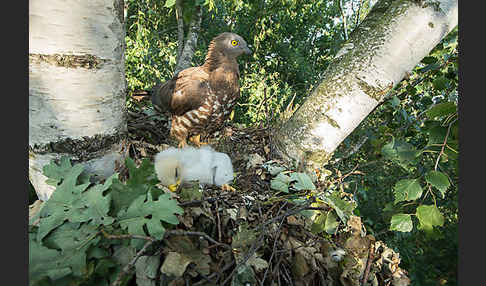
[126, 236]
[340, 6]
[195, 233]
[218, 220]
[180, 29]
[131, 264]
[357, 14]
[228, 266]
[198, 202]
[368, 264]
[254, 247]
[273, 249]
[444, 144]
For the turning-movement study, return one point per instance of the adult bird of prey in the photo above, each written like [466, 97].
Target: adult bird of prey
[176, 165]
[199, 99]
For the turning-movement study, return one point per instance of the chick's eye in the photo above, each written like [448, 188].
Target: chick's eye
[234, 43]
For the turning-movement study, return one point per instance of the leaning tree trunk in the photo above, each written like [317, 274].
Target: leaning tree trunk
[390, 41]
[76, 86]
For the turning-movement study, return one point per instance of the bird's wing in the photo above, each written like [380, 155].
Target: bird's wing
[196, 165]
[185, 91]
[161, 95]
[223, 168]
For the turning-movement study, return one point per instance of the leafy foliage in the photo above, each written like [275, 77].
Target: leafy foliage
[410, 159]
[409, 192]
[292, 42]
[66, 245]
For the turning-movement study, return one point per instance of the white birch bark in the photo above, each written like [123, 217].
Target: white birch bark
[76, 85]
[390, 41]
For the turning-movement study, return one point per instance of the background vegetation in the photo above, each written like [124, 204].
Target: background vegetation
[401, 163]
[403, 156]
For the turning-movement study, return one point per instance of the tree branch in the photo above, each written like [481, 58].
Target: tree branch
[340, 6]
[191, 41]
[180, 29]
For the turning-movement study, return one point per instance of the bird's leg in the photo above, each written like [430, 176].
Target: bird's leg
[182, 144]
[226, 187]
[197, 140]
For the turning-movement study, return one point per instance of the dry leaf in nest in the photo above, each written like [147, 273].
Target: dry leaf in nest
[175, 264]
[354, 225]
[266, 149]
[254, 160]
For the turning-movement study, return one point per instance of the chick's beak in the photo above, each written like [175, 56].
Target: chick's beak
[248, 51]
[173, 187]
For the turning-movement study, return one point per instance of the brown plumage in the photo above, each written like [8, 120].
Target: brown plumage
[199, 99]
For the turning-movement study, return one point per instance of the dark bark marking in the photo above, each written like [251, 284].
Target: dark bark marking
[84, 149]
[69, 61]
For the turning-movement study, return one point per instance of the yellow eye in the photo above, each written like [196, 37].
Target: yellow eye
[234, 42]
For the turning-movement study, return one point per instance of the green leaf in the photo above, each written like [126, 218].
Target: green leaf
[149, 213]
[441, 109]
[395, 101]
[280, 183]
[407, 190]
[343, 208]
[401, 222]
[303, 181]
[44, 262]
[96, 205]
[141, 181]
[274, 169]
[429, 67]
[74, 241]
[190, 192]
[244, 276]
[64, 204]
[429, 60]
[331, 223]
[56, 173]
[319, 223]
[169, 3]
[437, 135]
[438, 180]
[400, 152]
[429, 216]
[440, 83]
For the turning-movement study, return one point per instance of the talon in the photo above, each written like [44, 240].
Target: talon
[226, 187]
[197, 140]
[182, 144]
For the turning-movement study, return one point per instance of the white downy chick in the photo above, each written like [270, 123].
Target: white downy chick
[203, 164]
[167, 167]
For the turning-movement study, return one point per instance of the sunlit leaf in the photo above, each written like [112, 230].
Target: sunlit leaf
[438, 180]
[407, 190]
[429, 216]
[401, 222]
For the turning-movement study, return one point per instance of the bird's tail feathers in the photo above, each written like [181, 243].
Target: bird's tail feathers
[161, 96]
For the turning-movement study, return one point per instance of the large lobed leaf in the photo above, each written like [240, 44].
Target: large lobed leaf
[141, 180]
[64, 204]
[149, 213]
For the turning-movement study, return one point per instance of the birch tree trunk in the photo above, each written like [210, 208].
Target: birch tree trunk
[76, 86]
[390, 41]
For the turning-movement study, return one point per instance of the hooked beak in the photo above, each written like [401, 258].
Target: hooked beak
[247, 51]
[173, 187]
